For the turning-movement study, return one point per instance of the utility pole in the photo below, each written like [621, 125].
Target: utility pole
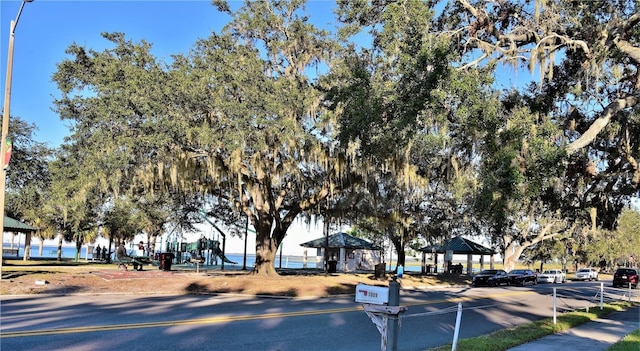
[5, 120]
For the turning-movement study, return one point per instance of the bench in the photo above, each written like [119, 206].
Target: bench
[10, 251]
[137, 262]
[195, 260]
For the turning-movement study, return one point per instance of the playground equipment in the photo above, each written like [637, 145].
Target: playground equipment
[201, 251]
[219, 253]
[198, 250]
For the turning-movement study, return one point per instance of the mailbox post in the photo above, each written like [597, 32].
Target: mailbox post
[382, 305]
[392, 320]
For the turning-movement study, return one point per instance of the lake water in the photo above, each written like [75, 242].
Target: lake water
[288, 261]
[69, 252]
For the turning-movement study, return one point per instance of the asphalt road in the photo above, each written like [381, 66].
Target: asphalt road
[138, 322]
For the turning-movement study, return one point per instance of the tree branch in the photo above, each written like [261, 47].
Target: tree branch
[611, 110]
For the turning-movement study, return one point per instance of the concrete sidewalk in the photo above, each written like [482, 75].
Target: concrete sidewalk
[597, 335]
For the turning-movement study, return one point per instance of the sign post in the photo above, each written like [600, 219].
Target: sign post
[392, 321]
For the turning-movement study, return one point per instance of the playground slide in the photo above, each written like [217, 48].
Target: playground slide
[219, 253]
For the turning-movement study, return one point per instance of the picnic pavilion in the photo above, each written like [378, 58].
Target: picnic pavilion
[347, 253]
[456, 246]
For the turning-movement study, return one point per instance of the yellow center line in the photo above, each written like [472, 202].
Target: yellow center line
[210, 320]
[228, 319]
[469, 298]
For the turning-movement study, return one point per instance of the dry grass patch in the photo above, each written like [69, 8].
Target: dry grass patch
[20, 279]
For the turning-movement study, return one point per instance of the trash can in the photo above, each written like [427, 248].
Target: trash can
[161, 261]
[165, 261]
[333, 266]
[380, 270]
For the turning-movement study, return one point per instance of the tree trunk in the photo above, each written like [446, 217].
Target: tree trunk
[398, 243]
[41, 246]
[511, 255]
[265, 261]
[512, 251]
[151, 245]
[401, 259]
[325, 264]
[266, 250]
[78, 248]
[109, 251]
[270, 231]
[59, 247]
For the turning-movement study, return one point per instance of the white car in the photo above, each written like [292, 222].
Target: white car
[552, 276]
[586, 274]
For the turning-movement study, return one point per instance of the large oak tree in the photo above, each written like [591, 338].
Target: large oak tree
[406, 103]
[586, 54]
[237, 120]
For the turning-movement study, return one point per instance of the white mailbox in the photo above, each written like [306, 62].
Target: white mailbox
[378, 295]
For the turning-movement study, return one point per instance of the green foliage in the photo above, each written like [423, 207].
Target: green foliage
[29, 179]
[389, 93]
[520, 166]
[620, 247]
[28, 164]
[120, 222]
[627, 233]
[28, 172]
[547, 251]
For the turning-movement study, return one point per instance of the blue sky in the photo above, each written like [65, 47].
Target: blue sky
[47, 27]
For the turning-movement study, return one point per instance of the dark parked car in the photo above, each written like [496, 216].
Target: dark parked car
[625, 276]
[491, 277]
[522, 277]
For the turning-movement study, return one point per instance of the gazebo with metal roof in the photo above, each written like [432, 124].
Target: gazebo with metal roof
[457, 246]
[15, 226]
[351, 253]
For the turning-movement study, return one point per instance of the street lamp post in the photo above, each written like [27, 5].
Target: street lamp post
[5, 119]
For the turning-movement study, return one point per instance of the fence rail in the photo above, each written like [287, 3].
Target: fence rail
[564, 298]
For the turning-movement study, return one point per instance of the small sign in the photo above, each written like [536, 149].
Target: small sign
[378, 295]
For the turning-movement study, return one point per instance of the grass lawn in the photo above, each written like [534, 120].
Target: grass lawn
[630, 342]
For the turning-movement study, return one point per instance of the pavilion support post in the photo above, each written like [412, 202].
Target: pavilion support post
[435, 263]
